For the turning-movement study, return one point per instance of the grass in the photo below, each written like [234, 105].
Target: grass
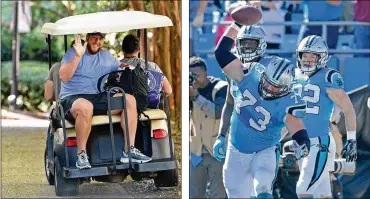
[177, 140]
[22, 171]
[22, 163]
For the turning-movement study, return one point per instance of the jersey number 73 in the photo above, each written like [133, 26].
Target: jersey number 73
[249, 100]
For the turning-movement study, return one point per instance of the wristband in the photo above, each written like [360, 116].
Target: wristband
[351, 135]
[301, 137]
[221, 135]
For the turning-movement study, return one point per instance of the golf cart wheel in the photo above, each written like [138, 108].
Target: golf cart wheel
[48, 174]
[136, 176]
[168, 178]
[64, 186]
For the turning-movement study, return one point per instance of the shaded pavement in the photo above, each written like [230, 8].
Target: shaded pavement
[22, 167]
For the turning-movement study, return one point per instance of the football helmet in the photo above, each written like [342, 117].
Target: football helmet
[247, 52]
[316, 45]
[277, 78]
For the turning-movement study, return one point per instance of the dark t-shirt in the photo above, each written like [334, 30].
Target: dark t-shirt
[54, 76]
[207, 91]
[206, 101]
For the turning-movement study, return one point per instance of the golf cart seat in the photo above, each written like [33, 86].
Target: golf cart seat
[156, 116]
[153, 114]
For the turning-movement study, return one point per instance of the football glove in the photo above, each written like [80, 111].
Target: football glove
[300, 151]
[349, 151]
[219, 150]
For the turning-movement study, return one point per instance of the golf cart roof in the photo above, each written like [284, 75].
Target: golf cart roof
[106, 22]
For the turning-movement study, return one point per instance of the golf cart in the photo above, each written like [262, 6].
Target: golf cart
[106, 142]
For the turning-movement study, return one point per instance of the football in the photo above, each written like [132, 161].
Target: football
[246, 15]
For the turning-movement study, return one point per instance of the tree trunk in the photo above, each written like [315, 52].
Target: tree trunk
[137, 5]
[166, 45]
[162, 54]
[173, 11]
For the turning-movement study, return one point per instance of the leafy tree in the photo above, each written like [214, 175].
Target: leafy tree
[165, 43]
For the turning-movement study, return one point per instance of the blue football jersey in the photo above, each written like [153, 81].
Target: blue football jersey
[319, 105]
[256, 123]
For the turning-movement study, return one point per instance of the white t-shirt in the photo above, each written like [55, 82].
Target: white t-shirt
[274, 33]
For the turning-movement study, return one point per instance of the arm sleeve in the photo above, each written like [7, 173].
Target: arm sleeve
[334, 80]
[70, 54]
[220, 101]
[154, 67]
[226, 114]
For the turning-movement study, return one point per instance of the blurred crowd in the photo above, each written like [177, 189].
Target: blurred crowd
[279, 11]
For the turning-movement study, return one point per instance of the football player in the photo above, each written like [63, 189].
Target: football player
[323, 88]
[263, 106]
[250, 47]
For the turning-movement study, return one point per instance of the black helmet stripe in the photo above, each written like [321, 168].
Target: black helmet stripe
[311, 40]
[284, 67]
[308, 40]
[277, 69]
[249, 29]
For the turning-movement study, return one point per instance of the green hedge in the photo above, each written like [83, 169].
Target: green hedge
[31, 82]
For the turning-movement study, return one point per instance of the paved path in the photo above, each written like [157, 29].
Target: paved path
[22, 174]
[22, 167]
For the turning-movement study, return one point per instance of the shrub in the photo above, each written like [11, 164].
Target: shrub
[32, 78]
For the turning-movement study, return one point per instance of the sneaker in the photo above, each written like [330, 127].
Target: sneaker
[124, 158]
[136, 156]
[83, 161]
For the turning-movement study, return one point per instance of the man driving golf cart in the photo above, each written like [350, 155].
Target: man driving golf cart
[81, 68]
[75, 127]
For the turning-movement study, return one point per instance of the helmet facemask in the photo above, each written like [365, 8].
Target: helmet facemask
[266, 83]
[249, 48]
[309, 67]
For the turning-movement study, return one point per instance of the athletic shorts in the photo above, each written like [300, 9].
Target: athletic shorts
[248, 175]
[314, 177]
[99, 101]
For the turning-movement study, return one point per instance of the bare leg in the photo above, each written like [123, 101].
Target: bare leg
[131, 118]
[82, 111]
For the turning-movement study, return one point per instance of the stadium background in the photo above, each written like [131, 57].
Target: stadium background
[348, 56]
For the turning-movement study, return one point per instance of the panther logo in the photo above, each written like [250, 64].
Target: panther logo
[151, 81]
[339, 81]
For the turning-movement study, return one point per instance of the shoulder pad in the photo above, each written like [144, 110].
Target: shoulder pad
[334, 80]
[258, 67]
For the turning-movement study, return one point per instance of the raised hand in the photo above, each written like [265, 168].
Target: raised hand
[79, 48]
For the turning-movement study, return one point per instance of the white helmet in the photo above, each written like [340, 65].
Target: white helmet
[247, 53]
[280, 73]
[316, 45]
